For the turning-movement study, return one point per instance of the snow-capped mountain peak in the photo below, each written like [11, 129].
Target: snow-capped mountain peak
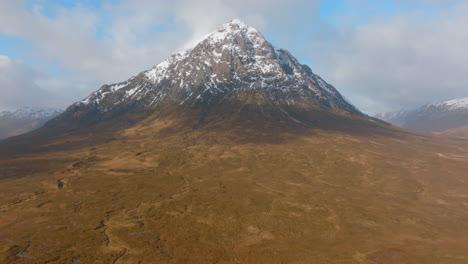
[233, 37]
[232, 61]
[237, 32]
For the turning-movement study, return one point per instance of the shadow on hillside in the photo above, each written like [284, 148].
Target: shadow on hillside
[255, 124]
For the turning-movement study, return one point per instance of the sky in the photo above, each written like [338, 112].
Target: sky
[381, 55]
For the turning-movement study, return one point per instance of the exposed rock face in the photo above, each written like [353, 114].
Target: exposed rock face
[234, 65]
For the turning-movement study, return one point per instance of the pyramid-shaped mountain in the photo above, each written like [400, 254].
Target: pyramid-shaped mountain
[233, 78]
[233, 67]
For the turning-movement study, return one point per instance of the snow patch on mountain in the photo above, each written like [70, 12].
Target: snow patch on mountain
[158, 73]
[459, 103]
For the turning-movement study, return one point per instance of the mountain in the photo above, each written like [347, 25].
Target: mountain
[397, 118]
[233, 75]
[432, 117]
[25, 119]
[233, 67]
[229, 152]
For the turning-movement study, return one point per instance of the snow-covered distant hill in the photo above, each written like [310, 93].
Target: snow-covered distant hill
[397, 118]
[455, 104]
[25, 119]
[432, 117]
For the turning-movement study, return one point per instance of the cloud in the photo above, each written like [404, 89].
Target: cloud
[281, 19]
[70, 38]
[22, 84]
[17, 85]
[402, 61]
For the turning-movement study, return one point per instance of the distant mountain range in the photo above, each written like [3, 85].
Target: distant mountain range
[25, 119]
[437, 117]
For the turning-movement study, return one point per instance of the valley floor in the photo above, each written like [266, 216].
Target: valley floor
[151, 195]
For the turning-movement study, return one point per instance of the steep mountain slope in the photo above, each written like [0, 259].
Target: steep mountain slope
[25, 119]
[433, 117]
[230, 152]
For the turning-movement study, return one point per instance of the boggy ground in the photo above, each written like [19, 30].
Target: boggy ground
[161, 193]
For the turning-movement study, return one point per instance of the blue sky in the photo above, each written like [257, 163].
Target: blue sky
[382, 55]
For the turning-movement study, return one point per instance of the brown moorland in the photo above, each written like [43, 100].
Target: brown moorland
[251, 188]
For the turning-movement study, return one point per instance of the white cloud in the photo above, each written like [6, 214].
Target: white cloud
[401, 62]
[22, 84]
[17, 85]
